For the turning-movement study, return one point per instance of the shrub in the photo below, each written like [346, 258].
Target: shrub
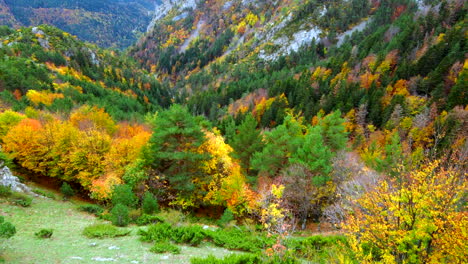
[21, 199]
[44, 233]
[240, 239]
[44, 193]
[148, 219]
[158, 232]
[227, 217]
[192, 235]
[67, 191]
[173, 217]
[134, 215]
[5, 191]
[7, 229]
[150, 204]
[104, 231]
[123, 194]
[120, 215]
[231, 259]
[317, 248]
[91, 208]
[165, 247]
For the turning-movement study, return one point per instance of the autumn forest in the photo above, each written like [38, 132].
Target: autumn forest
[281, 131]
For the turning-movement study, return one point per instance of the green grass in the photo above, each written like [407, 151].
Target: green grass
[69, 245]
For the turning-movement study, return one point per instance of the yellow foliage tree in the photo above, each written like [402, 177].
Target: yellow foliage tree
[417, 220]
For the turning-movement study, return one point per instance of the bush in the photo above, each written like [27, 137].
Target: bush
[5, 191]
[91, 208]
[21, 199]
[44, 193]
[240, 239]
[173, 217]
[231, 259]
[104, 231]
[317, 248]
[7, 229]
[192, 235]
[158, 232]
[120, 215]
[227, 217]
[148, 219]
[44, 233]
[134, 215]
[67, 191]
[150, 204]
[236, 239]
[246, 259]
[123, 194]
[165, 247]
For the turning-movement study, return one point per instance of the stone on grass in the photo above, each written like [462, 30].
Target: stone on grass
[101, 259]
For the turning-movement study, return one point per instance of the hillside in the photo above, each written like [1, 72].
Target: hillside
[108, 23]
[46, 68]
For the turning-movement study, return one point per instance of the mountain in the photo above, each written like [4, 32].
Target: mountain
[221, 55]
[189, 34]
[45, 62]
[108, 23]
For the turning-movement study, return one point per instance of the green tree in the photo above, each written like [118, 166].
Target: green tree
[173, 149]
[314, 155]
[120, 215]
[247, 141]
[150, 204]
[393, 156]
[333, 131]
[281, 142]
[123, 194]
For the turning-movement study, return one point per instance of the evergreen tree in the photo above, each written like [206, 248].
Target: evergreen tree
[280, 143]
[333, 131]
[120, 215]
[247, 141]
[150, 204]
[173, 149]
[123, 194]
[314, 155]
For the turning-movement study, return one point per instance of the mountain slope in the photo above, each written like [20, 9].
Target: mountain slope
[46, 68]
[271, 28]
[108, 23]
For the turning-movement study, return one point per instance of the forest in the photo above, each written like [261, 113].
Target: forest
[366, 139]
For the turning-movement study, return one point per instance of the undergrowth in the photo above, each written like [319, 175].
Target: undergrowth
[104, 231]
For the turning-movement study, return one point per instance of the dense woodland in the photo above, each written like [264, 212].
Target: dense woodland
[109, 23]
[369, 136]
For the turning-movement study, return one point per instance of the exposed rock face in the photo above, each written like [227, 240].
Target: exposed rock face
[8, 179]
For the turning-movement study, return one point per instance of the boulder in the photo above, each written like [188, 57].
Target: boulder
[8, 179]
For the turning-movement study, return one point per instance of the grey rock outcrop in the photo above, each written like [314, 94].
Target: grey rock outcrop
[8, 179]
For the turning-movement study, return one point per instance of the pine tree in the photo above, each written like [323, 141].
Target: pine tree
[123, 194]
[314, 155]
[247, 141]
[280, 143]
[149, 204]
[333, 131]
[173, 148]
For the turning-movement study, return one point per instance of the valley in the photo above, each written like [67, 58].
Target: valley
[229, 128]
